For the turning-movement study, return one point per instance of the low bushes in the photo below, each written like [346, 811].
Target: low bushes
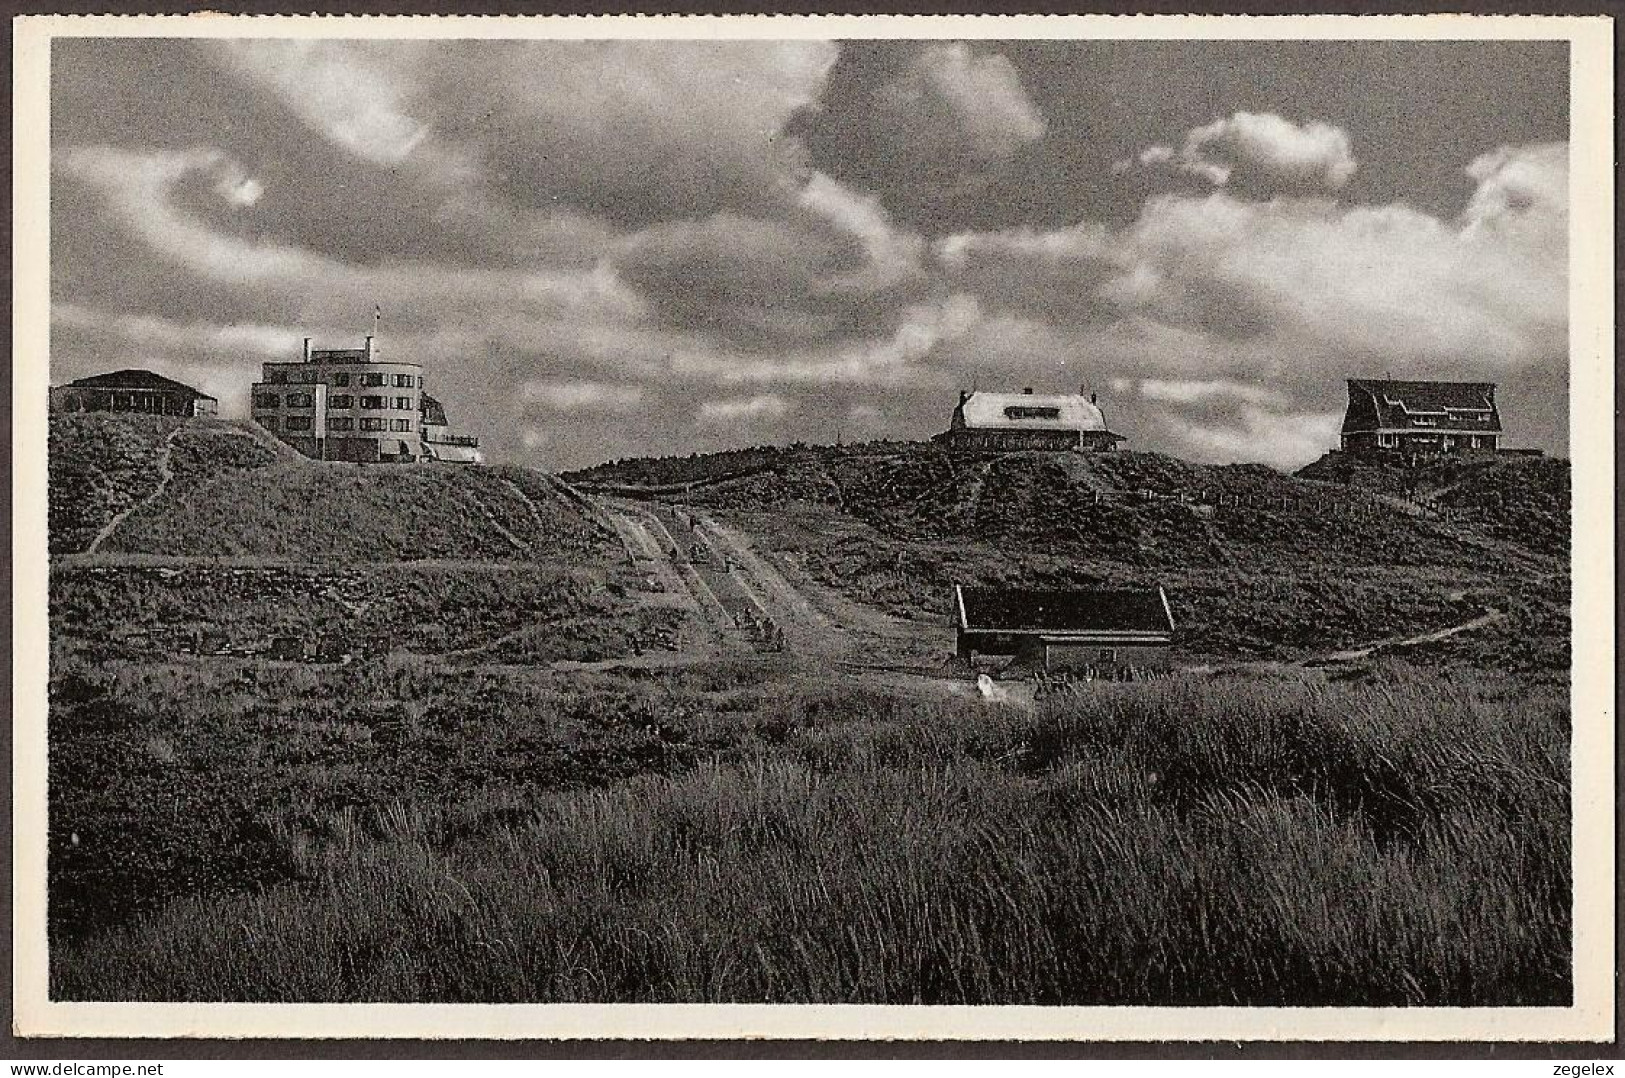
[1217, 842]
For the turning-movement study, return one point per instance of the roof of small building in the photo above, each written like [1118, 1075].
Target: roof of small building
[1093, 610]
[137, 378]
[1390, 404]
[1030, 411]
[434, 413]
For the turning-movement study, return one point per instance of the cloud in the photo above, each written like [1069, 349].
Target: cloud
[1522, 192]
[153, 333]
[1282, 440]
[964, 104]
[354, 94]
[893, 359]
[1225, 325]
[630, 131]
[578, 395]
[889, 257]
[740, 276]
[1294, 284]
[1262, 148]
[633, 131]
[743, 409]
[143, 193]
[239, 190]
[1195, 391]
[567, 233]
[830, 269]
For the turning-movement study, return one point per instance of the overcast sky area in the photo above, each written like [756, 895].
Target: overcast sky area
[602, 250]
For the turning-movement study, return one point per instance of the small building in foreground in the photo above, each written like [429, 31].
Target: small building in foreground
[1094, 631]
[132, 390]
[1400, 419]
[1012, 422]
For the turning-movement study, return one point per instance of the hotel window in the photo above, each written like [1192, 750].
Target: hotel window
[372, 379]
[299, 400]
[302, 377]
[298, 422]
[269, 422]
[403, 402]
[341, 379]
[420, 381]
[267, 400]
[340, 422]
[375, 403]
[400, 425]
[341, 400]
[403, 381]
[368, 423]
[276, 378]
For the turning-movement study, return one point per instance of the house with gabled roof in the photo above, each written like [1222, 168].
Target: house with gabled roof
[132, 390]
[1405, 419]
[1101, 631]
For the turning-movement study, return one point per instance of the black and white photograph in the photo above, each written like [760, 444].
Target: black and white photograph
[882, 516]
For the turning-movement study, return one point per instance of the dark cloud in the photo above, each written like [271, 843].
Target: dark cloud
[635, 133]
[613, 248]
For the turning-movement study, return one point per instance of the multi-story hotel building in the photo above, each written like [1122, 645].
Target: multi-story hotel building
[348, 404]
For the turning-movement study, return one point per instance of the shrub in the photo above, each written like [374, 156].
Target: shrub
[1241, 842]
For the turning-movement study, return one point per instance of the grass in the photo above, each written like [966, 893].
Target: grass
[232, 495]
[98, 468]
[1298, 608]
[1238, 840]
[446, 818]
[1257, 564]
[350, 512]
[177, 777]
[530, 611]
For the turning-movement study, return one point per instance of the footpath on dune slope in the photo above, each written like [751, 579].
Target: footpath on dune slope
[745, 602]
[166, 472]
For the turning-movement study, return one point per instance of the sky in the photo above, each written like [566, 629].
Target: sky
[606, 249]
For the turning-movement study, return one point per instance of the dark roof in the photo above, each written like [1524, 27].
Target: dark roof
[434, 413]
[136, 378]
[1093, 610]
[1392, 404]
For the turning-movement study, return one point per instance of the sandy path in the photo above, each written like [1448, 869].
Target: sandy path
[165, 474]
[1410, 641]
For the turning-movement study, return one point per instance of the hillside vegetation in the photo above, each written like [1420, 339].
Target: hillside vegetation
[1523, 500]
[233, 491]
[421, 835]
[100, 466]
[1257, 563]
[226, 540]
[465, 807]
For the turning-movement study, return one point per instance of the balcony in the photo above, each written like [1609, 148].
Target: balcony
[468, 441]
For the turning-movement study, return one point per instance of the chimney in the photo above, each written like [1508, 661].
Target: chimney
[307, 349]
[1091, 398]
[369, 348]
[964, 395]
[1027, 391]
